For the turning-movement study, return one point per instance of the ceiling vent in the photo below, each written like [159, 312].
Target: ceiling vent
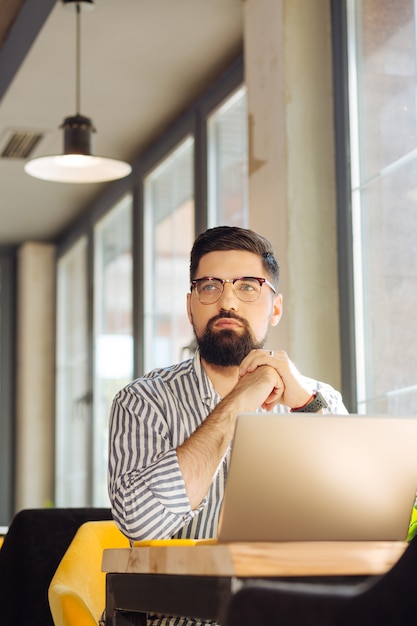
[19, 144]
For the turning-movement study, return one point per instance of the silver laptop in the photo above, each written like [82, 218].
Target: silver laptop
[320, 478]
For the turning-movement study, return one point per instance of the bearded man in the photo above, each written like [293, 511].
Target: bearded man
[171, 431]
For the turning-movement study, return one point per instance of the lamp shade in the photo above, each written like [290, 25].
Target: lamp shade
[76, 164]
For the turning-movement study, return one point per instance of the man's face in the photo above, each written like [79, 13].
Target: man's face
[229, 329]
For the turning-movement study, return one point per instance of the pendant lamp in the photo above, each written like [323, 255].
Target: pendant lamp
[77, 164]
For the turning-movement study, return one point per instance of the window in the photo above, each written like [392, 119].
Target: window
[382, 103]
[228, 162]
[169, 234]
[113, 328]
[73, 395]
[169, 223]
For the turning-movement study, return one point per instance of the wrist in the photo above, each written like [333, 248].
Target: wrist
[301, 406]
[315, 403]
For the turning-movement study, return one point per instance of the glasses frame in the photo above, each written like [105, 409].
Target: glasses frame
[232, 281]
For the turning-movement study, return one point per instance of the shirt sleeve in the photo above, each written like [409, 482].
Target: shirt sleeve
[146, 487]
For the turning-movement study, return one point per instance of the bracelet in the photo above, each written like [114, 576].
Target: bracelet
[300, 408]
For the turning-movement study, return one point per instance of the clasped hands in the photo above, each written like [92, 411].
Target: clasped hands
[270, 378]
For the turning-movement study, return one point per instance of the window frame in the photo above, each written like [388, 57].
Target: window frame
[344, 204]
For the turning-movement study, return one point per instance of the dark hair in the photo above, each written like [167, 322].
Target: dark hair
[234, 238]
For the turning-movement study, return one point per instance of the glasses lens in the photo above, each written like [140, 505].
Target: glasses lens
[209, 290]
[247, 289]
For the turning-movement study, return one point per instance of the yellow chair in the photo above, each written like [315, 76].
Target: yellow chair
[3, 531]
[77, 590]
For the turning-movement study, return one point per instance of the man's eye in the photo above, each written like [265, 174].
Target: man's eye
[248, 286]
[210, 286]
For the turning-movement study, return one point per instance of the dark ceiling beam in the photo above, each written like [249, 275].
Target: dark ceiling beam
[21, 35]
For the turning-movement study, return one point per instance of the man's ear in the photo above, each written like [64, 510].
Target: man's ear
[190, 315]
[276, 310]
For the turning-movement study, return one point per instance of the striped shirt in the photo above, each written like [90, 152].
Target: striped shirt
[150, 418]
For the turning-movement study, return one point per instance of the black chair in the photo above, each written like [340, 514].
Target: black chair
[33, 547]
[388, 600]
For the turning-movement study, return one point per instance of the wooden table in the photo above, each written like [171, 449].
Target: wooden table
[198, 580]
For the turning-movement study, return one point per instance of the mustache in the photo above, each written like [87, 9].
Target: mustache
[227, 315]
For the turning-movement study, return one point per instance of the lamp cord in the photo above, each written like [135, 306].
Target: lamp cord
[78, 60]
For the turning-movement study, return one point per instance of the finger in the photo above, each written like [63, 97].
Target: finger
[255, 359]
[268, 405]
[274, 398]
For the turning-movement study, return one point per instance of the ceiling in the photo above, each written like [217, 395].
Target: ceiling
[142, 63]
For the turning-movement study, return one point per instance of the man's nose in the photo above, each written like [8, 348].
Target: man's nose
[228, 299]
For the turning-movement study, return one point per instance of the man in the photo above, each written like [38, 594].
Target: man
[171, 430]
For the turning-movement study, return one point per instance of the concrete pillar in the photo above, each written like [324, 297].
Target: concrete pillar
[35, 375]
[288, 73]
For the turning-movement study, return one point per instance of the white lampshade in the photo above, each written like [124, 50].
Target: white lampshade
[77, 168]
[77, 165]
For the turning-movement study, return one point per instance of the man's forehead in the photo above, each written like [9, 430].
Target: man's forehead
[231, 262]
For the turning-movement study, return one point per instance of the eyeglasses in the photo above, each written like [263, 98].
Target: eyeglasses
[247, 288]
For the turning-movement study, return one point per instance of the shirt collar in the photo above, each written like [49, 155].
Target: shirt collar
[208, 393]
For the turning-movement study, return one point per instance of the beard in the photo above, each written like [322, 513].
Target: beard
[226, 347]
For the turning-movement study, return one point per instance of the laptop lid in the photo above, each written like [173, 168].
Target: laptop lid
[320, 478]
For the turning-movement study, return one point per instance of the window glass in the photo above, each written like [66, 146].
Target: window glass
[228, 162]
[386, 73]
[73, 395]
[169, 235]
[113, 328]
[382, 71]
